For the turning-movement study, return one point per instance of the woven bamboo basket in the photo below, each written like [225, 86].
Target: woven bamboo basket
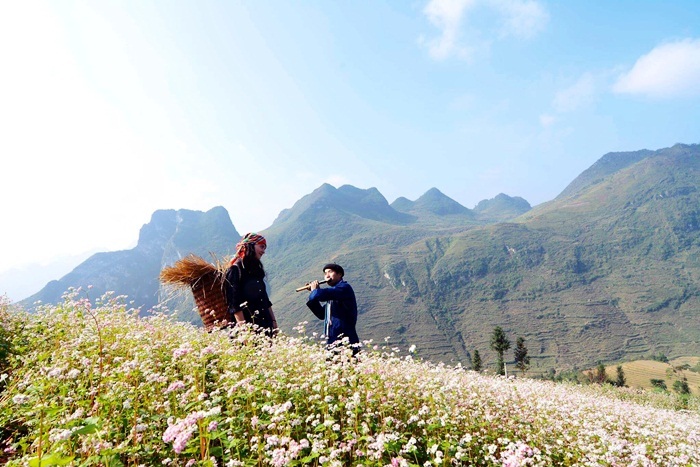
[206, 281]
[210, 298]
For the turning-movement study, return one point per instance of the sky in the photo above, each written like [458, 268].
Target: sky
[110, 110]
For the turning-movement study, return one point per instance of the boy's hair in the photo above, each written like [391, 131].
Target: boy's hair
[334, 267]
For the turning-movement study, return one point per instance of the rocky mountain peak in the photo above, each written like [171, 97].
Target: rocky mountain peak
[437, 202]
[347, 200]
[501, 208]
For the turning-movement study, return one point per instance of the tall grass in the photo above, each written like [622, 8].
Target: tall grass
[93, 384]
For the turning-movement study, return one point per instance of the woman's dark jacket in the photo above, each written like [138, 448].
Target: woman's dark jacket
[245, 283]
[340, 312]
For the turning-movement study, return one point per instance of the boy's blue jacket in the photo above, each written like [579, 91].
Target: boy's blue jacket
[340, 312]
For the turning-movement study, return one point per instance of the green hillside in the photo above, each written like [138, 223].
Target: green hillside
[607, 272]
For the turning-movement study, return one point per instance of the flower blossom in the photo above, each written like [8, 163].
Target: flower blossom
[20, 399]
[175, 386]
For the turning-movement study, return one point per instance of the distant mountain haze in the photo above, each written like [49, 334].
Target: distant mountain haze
[21, 282]
[169, 236]
[606, 271]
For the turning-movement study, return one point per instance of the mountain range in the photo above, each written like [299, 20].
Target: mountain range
[606, 271]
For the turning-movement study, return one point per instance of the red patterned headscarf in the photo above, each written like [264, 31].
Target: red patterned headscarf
[249, 238]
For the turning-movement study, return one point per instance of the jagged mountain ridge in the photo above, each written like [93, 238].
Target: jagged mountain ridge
[367, 204]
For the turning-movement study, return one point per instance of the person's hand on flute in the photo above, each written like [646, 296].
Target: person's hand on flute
[308, 286]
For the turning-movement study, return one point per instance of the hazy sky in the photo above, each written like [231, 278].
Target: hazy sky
[112, 110]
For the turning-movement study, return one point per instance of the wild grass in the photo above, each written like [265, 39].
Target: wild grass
[640, 373]
[90, 383]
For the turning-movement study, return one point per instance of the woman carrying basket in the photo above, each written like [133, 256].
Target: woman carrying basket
[246, 294]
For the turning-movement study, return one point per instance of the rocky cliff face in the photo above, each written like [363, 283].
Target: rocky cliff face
[169, 236]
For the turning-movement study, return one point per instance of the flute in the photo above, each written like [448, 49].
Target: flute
[306, 287]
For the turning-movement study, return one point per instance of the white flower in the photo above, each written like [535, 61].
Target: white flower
[20, 399]
[60, 435]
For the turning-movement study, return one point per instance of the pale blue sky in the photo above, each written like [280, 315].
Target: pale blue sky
[112, 110]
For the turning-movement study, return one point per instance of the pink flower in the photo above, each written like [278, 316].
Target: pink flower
[182, 351]
[177, 385]
[181, 431]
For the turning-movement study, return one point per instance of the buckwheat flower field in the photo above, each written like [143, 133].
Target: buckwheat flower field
[93, 384]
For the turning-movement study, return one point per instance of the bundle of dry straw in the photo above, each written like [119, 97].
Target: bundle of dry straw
[187, 271]
[206, 281]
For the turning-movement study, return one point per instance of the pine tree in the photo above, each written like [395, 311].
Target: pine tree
[621, 381]
[522, 361]
[476, 361]
[500, 343]
[600, 376]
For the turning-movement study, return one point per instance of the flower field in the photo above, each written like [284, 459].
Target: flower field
[92, 384]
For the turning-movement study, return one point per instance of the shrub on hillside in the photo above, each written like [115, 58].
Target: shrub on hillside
[658, 383]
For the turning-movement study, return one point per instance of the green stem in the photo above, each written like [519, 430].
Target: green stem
[41, 433]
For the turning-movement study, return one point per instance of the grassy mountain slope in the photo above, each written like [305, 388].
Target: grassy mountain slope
[328, 226]
[635, 240]
[639, 373]
[606, 165]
